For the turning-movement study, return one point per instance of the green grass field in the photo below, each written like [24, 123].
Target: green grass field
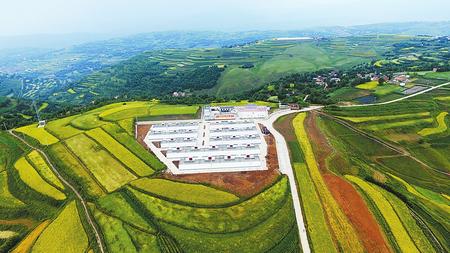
[316, 223]
[107, 170]
[217, 220]
[31, 178]
[120, 152]
[267, 234]
[109, 204]
[188, 193]
[114, 233]
[64, 234]
[406, 123]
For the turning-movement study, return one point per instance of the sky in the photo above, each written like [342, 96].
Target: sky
[25, 17]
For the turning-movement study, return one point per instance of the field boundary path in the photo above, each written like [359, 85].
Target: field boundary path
[284, 163]
[399, 99]
[400, 150]
[77, 194]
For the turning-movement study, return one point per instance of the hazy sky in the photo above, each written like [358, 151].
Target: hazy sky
[19, 17]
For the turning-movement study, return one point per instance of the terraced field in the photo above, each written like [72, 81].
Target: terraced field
[134, 209]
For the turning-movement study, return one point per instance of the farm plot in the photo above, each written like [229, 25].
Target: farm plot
[440, 128]
[146, 242]
[120, 152]
[26, 243]
[116, 236]
[408, 221]
[72, 167]
[43, 169]
[316, 223]
[127, 110]
[64, 234]
[116, 204]
[182, 192]
[406, 123]
[343, 231]
[108, 171]
[132, 145]
[396, 227]
[61, 128]
[368, 86]
[31, 178]
[162, 109]
[39, 134]
[385, 117]
[268, 233]
[7, 200]
[127, 125]
[217, 220]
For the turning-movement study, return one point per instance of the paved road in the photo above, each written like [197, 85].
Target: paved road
[399, 99]
[72, 188]
[284, 163]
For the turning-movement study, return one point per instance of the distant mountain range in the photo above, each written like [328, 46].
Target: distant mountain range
[211, 39]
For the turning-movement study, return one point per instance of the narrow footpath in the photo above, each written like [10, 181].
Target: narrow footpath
[72, 188]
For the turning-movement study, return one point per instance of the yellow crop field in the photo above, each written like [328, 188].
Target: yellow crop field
[446, 98]
[386, 117]
[316, 222]
[414, 231]
[108, 171]
[25, 245]
[73, 168]
[368, 86]
[40, 134]
[62, 129]
[342, 229]
[43, 169]
[64, 234]
[6, 234]
[120, 152]
[7, 200]
[30, 177]
[441, 127]
[126, 106]
[382, 126]
[190, 193]
[396, 227]
[128, 125]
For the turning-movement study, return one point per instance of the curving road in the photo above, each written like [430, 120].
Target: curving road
[72, 188]
[284, 163]
[399, 99]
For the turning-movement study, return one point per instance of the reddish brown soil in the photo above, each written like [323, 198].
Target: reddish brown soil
[357, 212]
[285, 128]
[321, 146]
[24, 222]
[142, 131]
[346, 196]
[243, 184]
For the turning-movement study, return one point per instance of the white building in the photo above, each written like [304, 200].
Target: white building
[208, 146]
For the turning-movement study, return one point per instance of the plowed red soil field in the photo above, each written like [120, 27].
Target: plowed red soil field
[346, 196]
[357, 212]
